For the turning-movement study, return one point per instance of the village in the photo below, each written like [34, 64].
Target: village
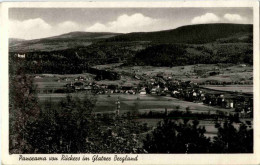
[157, 85]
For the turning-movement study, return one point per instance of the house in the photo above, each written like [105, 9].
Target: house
[202, 96]
[137, 77]
[21, 55]
[175, 92]
[131, 92]
[228, 102]
[103, 86]
[80, 78]
[142, 91]
[165, 89]
[38, 77]
[153, 91]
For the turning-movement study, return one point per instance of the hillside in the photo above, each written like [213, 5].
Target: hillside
[195, 44]
[14, 41]
[176, 55]
[191, 34]
[61, 42]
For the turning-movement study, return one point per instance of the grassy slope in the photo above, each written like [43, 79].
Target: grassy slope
[61, 42]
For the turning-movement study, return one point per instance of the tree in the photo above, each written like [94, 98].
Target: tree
[63, 128]
[231, 140]
[170, 137]
[23, 106]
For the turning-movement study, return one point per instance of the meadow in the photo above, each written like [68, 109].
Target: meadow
[197, 73]
[233, 88]
[149, 102]
[143, 103]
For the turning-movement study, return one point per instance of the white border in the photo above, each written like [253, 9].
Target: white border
[142, 158]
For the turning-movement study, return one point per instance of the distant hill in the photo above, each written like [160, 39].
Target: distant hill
[13, 41]
[194, 44]
[191, 34]
[60, 42]
[180, 54]
[83, 35]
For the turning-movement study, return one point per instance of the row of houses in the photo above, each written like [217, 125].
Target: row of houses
[189, 91]
[238, 102]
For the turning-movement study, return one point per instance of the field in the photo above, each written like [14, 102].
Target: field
[196, 73]
[233, 88]
[57, 81]
[227, 73]
[149, 102]
[106, 104]
[146, 103]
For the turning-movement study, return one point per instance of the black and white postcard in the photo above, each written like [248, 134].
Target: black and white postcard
[130, 82]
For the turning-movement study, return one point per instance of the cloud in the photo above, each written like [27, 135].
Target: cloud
[206, 18]
[28, 29]
[127, 23]
[234, 18]
[38, 28]
[34, 23]
[68, 25]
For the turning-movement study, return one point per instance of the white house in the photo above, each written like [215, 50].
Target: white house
[21, 55]
[143, 91]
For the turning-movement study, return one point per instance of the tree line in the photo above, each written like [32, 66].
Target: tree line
[179, 54]
[78, 60]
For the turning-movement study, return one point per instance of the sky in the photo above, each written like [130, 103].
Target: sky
[33, 23]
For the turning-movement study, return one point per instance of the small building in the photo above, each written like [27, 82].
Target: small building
[228, 102]
[38, 77]
[142, 91]
[153, 91]
[21, 55]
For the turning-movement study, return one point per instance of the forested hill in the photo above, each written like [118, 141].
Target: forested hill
[60, 42]
[194, 44]
[191, 34]
[83, 35]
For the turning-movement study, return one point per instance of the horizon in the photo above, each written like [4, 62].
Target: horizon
[124, 33]
[37, 23]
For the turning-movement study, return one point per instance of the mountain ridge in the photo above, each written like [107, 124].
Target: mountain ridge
[188, 34]
[60, 42]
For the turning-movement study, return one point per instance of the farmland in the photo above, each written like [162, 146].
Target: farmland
[197, 73]
[144, 104]
[228, 73]
[233, 88]
[106, 103]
